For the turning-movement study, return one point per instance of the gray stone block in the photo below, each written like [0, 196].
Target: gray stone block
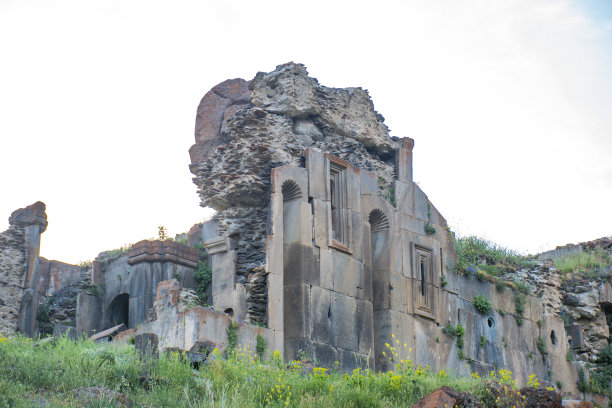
[321, 315]
[369, 183]
[325, 355]
[316, 165]
[146, 346]
[420, 203]
[326, 269]
[344, 321]
[347, 274]
[404, 197]
[322, 210]
[297, 319]
[365, 326]
[353, 184]
[295, 347]
[292, 263]
[292, 222]
[351, 360]
[381, 296]
[310, 265]
[224, 270]
[355, 242]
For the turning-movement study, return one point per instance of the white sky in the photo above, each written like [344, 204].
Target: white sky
[509, 102]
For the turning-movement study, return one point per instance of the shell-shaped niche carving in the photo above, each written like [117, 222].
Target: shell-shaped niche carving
[291, 191]
[378, 220]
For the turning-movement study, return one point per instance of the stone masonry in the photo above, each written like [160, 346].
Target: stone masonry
[319, 220]
[19, 269]
[321, 243]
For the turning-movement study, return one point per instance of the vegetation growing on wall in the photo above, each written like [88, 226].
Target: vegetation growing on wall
[592, 263]
[482, 304]
[458, 332]
[477, 254]
[601, 376]
[203, 276]
[429, 229]
[232, 335]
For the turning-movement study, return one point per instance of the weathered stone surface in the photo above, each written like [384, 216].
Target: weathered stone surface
[108, 334]
[146, 344]
[443, 397]
[19, 270]
[541, 398]
[31, 215]
[163, 251]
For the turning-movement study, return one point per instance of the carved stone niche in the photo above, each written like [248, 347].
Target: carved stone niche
[163, 251]
[423, 274]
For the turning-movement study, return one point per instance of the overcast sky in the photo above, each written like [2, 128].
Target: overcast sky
[509, 103]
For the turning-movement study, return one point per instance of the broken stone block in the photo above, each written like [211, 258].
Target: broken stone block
[146, 346]
[107, 335]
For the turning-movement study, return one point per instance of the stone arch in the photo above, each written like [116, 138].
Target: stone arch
[378, 220]
[291, 191]
[119, 310]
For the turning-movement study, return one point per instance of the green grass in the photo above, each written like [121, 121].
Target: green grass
[592, 263]
[52, 372]
[487, 256]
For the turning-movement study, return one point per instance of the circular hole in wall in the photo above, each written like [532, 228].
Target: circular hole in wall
[229, 311]
[553, 338]
[490, 322]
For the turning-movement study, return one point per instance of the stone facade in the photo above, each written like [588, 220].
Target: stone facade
[125, 283]
[322, 243]
[318, 219]
[19, 270]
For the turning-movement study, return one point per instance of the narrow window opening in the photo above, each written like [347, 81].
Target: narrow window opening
[423, 277]
[334, 205]
[553, 338]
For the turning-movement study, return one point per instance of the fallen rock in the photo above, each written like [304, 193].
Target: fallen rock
[108, 334]
[443, 397]
[541, 398]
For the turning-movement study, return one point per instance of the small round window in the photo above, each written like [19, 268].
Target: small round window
[490, 322]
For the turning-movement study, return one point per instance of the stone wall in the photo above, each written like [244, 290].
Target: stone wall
[321, 234]
[178, 324]
[244, 129]
[123, 284]
[19, 270]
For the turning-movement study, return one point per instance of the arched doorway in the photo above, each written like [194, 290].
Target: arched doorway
[119, 310]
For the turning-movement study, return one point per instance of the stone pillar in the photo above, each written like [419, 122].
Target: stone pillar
[19, 252]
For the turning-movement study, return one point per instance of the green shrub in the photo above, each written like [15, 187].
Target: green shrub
[261, 346]
[449, 329]
[429, 229]
[232, 335]
[482, 304]
[541, 345]
[203, 277]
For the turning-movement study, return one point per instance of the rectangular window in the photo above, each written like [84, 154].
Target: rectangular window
[338, 197]
[424, 295]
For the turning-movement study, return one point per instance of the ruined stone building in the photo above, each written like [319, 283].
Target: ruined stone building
[321, 243]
